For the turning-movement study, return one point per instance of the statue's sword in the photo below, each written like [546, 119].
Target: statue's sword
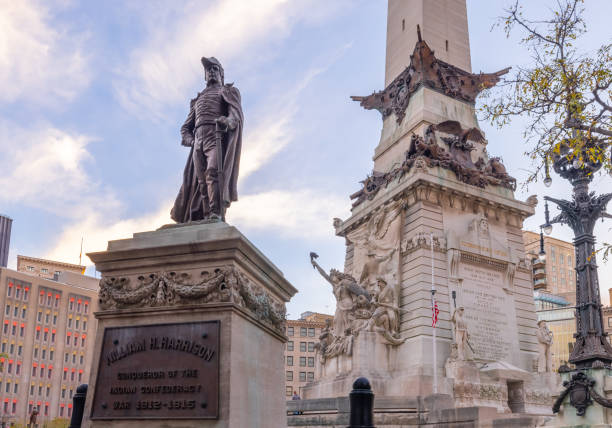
[219, 131]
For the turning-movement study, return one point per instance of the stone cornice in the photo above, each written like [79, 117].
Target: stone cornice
[438, 186]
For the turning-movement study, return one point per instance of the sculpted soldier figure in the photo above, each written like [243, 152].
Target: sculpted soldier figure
[461, 335]
[213, 130]
[545, 341]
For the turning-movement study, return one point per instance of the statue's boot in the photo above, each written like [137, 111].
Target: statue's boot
[212, 183]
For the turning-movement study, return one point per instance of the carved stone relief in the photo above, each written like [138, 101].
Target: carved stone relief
[223, 284]
[375, 245]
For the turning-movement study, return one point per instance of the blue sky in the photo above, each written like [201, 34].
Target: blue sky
[92, 96]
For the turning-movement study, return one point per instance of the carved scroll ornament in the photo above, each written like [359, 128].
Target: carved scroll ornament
[225, 284]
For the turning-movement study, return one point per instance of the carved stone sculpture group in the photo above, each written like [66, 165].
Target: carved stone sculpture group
[428, 152]
[357, 309]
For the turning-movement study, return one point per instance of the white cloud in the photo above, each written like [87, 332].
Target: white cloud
[305, 214]
[274, 130]
[39, 61]
[46, 168]
[235, 31]
[96, 230]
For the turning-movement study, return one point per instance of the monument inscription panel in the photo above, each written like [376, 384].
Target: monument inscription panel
[168, 371]
[489, 312]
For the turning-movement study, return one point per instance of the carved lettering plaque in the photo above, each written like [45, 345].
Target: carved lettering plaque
[168, 371]
[489, 313]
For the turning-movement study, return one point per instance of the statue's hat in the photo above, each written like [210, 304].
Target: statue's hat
[206, 62]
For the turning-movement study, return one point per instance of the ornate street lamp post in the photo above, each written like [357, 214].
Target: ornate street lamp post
[581, 213]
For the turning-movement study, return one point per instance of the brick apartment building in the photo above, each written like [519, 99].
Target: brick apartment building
[46, 338]
[300, 350]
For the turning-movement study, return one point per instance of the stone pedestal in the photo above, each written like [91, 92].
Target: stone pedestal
[596, 415]
[190, 333]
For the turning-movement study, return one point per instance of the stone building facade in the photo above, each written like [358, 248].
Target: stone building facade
[554, 283]
[46, 338]
[300, 352]
[46, 268]
[560, 273]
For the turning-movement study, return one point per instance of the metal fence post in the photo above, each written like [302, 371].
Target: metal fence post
[78, 406]
[361, 401]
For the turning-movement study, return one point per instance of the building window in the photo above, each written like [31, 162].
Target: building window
[44, 270]
[609, 321]
[311, 332]
[310, 346]
[302, 346]
[23, 313]
[302, 361]
[289, 360]
[302, 376]
[39, 316]
[289, 375]
[303, 331]
[310, 361]
[288, 391]
[30, 268]
[289, 331]
[290, 345]
[310, 376]
[8, 310]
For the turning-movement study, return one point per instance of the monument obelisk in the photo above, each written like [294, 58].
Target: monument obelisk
[436, 212]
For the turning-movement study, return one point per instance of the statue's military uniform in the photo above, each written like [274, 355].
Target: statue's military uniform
[209, 105]
[210, 179]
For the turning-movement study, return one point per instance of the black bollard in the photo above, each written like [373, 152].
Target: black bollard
[78, 406]
[361, 401]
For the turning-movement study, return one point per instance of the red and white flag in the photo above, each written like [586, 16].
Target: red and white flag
[434, 313]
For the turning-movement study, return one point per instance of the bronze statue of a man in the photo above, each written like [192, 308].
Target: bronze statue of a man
[213, 130]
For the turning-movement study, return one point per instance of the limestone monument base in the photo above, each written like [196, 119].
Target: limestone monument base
[191, 332]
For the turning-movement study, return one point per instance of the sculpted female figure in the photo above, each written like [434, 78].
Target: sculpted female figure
[345, 290]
